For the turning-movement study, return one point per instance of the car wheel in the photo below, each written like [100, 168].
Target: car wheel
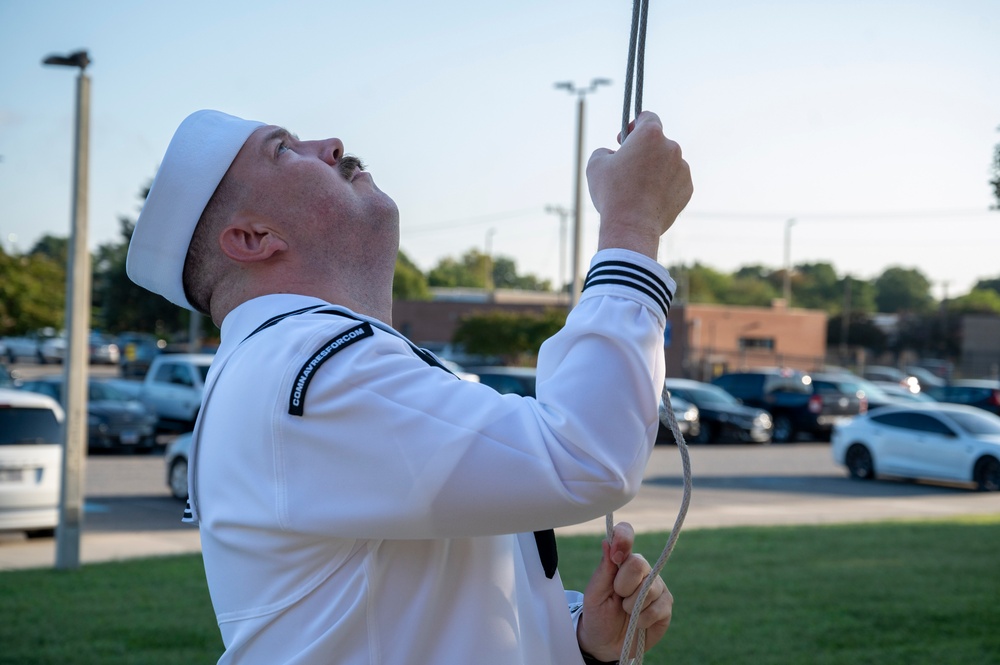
[987, 474]
[859, 462]
[783, 431]
[178, 479]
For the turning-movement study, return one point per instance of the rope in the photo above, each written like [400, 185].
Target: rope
[636, 58]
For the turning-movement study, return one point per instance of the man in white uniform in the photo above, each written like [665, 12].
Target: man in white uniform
[358, 503]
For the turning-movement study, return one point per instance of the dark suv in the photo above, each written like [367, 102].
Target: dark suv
[799, 403]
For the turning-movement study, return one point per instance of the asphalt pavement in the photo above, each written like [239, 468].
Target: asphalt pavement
[129, 512]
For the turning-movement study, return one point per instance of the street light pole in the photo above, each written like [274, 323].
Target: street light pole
[489, 261]
[574, 297]
[563, 214]
[788, 262]
[77, 327]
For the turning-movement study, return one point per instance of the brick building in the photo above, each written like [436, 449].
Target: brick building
[706, 340]
[702, 341]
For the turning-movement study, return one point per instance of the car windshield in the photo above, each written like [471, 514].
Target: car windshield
[104, 392]
[709, 396]
[976, 424]
[872, 391]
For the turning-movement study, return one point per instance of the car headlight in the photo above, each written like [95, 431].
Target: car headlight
[762, 420]
[691, 414]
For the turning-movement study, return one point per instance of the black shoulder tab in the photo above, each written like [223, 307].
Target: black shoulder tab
[297, 399]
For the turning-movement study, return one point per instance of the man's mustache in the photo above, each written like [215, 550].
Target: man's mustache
[348, 163]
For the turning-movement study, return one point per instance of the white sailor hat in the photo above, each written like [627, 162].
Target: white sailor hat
[199, 154]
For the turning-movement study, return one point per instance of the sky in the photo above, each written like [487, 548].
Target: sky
[871, 124]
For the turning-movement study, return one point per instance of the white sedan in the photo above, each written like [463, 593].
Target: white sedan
[944, 442]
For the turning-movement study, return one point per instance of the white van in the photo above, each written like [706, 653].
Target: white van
[31, 452]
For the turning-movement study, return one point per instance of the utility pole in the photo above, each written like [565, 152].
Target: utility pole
[77, 359]
[845, 321]
[563, 214]
[581, 93]
[788, 263]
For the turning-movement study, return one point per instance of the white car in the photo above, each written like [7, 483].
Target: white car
[30, 462]
[176, 459]
[943, 442]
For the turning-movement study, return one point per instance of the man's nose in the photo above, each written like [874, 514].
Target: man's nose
[331, 150]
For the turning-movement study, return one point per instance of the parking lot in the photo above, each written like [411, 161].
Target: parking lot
[129, 511]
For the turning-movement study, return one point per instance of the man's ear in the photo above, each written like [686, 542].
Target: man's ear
[249, 238]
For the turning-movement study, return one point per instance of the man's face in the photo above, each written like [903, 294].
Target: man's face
[316, 194]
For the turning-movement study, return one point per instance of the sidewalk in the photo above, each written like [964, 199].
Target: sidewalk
[100, 547]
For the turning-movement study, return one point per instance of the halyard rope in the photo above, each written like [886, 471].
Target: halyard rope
[636, 57]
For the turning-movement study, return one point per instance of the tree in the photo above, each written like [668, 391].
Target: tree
[816, 287]
[120, 304]
[899, 290]
[505, 277]
[861, 332]
[32, 293]
[996, 173]
[977, 301]
[992, 284]
[471, 270]
[53, 247]
[516, 337]
[408, 282]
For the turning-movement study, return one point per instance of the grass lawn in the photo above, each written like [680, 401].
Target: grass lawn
[899, 592]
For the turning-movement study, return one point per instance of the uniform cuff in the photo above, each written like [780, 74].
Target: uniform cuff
[626, 273]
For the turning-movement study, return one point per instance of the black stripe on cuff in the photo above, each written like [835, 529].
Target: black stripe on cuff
[621, 273]
[637, 272]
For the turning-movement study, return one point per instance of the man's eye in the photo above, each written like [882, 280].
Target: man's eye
[281, 148]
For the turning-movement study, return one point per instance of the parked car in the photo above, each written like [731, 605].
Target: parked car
[176, 460]
[115, 420]
[798, 403]
[521, 381]
[688, 421]
[868, 391]
[981, 393]
[721, 416]
[891, 375]
[173, 387]
[101, 349]
[901, 394]
[30, 462]
[19, 349]
[944, 442]
[507, 380]
[925, 377]
[6, 378]
[136, 351]
[459, 371]
[52, 350]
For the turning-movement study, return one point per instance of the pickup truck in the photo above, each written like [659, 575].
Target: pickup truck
[798, 402]
[173, 387]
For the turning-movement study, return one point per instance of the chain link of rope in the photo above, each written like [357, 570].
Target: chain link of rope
[635, 640]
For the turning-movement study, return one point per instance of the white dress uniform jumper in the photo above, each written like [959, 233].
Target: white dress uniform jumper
[359, 505]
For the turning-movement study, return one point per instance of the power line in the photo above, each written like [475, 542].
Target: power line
[469, 221]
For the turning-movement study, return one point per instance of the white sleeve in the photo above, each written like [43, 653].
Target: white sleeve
[389, 447]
